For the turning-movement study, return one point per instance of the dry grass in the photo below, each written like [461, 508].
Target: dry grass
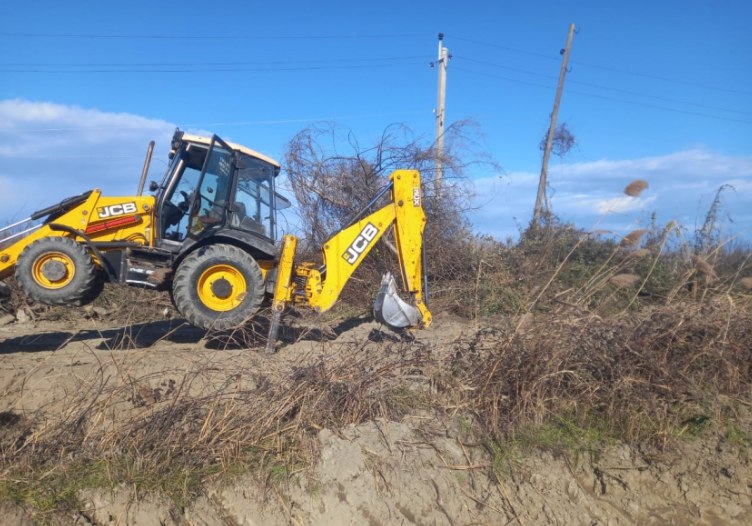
[624, 280]
[636, 375]
[209, 421]
[636, 187]
[124, 305]
[702, 266]
[633, 238]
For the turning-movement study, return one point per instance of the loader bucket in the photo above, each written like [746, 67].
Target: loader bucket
[390, 309]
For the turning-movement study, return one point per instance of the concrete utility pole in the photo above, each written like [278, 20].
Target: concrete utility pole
[541, 201]
[440, 110]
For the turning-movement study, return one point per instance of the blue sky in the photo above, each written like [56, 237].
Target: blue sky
[657, 90]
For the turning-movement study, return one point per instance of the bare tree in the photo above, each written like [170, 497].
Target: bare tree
[333, 177]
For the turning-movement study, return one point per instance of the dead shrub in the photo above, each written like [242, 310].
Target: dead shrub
[633, 375]
[633, 238]
[702, 266]
[170, 434]
[635, 188]
[624, 280]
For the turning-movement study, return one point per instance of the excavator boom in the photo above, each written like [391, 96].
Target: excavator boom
[345, 251]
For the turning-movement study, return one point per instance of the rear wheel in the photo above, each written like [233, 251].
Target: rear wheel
[218, 287]
[58, 271]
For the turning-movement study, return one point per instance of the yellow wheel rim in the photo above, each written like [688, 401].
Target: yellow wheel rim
[221, 287]
[61, 276]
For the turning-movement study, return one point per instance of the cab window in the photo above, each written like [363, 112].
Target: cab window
[253, 198]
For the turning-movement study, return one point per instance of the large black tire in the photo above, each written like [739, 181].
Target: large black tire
[58, 271]
[218, 287]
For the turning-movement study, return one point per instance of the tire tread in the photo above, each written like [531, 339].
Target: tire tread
[184, 284]
[79, 292]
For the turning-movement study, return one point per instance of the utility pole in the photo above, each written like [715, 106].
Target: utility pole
[541, 201]
[440, 111]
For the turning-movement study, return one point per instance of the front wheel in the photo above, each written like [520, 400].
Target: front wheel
[218, 287]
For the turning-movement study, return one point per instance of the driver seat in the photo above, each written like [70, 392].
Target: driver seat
[239, 219]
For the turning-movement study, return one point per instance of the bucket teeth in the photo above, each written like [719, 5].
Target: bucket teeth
[391, 310]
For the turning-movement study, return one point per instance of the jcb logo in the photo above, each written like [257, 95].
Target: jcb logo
[116, 210]
[360, 243]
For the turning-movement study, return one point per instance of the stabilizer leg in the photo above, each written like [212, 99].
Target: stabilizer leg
[282, 289]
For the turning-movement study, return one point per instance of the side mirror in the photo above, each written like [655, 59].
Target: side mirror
[153, 186]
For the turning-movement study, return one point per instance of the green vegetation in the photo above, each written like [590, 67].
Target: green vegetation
[54, 485]
[692, 428]
[563, 435]
[736, 436]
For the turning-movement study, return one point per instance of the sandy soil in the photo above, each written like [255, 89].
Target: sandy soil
[420, 470]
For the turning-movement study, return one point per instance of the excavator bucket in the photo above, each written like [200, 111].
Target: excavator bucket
[390, 309]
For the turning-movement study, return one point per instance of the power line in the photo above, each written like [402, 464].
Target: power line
[207, 124]
[613, 99]
[606, 68]
[510, 68]
[506, 48]
[210, 37]
[664, 108]
[349, 37]
[196, 64]
[212, 70]
[301, 120]
[664, 79]
[658, 97]
[501, 77]
[600, 86]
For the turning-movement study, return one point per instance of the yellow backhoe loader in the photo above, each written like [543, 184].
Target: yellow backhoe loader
[208, 234]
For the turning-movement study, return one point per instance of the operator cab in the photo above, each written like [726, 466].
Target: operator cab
[212, 186]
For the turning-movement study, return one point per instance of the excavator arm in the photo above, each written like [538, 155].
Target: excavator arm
[319, 288]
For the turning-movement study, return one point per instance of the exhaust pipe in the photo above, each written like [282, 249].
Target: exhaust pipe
[145, 170]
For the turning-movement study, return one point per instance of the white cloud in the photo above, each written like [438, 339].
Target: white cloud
[686, 166]
[681, 187]
[52, 151]
[621, 205]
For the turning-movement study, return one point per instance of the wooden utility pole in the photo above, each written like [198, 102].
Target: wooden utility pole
[541, 201]
[440, 110]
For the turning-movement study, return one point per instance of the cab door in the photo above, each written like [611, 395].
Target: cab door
[209, 204]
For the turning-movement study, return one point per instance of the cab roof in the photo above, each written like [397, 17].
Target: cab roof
[188, 137]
